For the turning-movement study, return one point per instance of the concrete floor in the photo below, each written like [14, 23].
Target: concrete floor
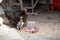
[48, 24]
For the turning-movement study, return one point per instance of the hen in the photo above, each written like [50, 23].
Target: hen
[14, 15]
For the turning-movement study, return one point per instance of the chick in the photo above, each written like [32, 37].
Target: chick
[20, 24]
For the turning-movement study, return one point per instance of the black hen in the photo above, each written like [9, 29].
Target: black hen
[14, 17]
